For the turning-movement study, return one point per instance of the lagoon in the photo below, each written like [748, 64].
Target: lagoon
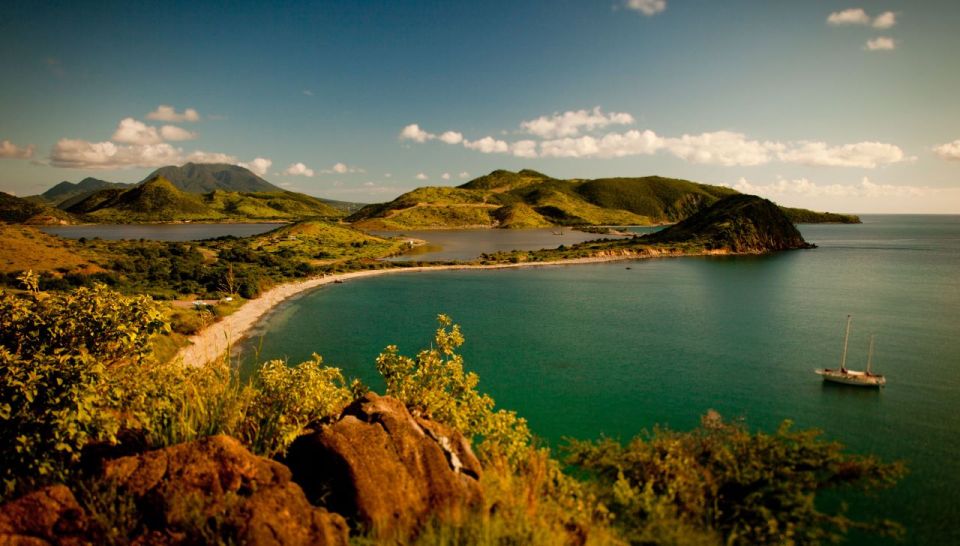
[160, 232]
[601, 349]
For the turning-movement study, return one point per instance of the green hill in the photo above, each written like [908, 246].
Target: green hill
[208, 177]
[65, 194]
[159, 200]
[15, 210]
[528, 198]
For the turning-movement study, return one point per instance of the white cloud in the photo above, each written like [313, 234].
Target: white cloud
[464, 174]
[632, 142]
[131, 131]
[169, 113]
[881, 43]
[570, 123]
[722, 148]
[200, 156]
[487, 145]
[804, 187]
[75, 153]
[452, 137]
[885, 20]
[172, 132]
[950, 150]
[421, 176]
[852, 16]
[524, 148]
[866, 155]
[259, 165]
[415, 133]
[9, 150]
[445, 176]
[308, 92]
[388, 175]
[342, 168]
[299, 169]
[646, 7]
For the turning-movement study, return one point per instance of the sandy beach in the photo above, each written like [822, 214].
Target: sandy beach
[216, 339]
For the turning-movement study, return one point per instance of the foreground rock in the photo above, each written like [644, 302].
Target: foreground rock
[385, 469]
[209, 490]
[49, 516]
[218, 478]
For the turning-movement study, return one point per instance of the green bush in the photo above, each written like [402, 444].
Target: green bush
[435, 385]
[56, 352]
[724, 482]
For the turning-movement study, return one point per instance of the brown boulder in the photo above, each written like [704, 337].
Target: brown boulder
[385, 469]
[251, 498]
[48, 516]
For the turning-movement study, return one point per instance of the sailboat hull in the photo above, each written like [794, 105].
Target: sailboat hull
[853, 378]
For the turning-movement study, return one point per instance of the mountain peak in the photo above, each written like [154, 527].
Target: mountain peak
[208, 177]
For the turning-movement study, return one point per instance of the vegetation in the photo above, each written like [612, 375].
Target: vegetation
[15, 210]
[804, 216]
[67, 193]
[531, 199]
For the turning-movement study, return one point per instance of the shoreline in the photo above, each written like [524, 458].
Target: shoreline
[215, 340]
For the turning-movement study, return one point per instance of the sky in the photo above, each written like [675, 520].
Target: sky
[825, 104]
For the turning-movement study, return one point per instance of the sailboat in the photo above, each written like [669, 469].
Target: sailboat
[853, 377]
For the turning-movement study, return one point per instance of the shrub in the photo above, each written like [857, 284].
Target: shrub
[435, 385]
[722, 480]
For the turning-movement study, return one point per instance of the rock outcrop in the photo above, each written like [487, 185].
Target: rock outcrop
[214, 484]
[218, 477]
[385, 469]
[48, 516]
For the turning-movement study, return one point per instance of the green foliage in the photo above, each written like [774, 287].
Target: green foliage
[435, 385]
[55, 355]
[723, 481]
[286, 399]
[804, 216]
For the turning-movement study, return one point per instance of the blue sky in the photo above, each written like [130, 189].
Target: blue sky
[827, 104]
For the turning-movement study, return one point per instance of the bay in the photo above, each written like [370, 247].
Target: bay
[160, 232]
[601, 349]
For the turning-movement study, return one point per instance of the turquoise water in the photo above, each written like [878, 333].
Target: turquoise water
[591, 349]
[160, 232]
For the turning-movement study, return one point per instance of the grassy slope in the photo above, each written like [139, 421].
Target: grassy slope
[26, 248]
[321, 242]
[531, 199]
[15, 210]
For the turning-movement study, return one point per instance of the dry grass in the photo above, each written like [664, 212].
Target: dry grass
[25, 247]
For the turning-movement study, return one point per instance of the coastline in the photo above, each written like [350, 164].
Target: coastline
[215, 340]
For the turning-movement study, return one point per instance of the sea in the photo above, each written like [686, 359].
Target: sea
[616, 348]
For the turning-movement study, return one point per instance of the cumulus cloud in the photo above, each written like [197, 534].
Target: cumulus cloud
[487, 145]
[415, 133]
[464, 174]
[421, 176]
[200, 156]
[950, 150]
[9, 150]
[867, 155]
[342, 168]
[131, 131]
[174, 133]
[804, 187]
[646, 7]
[452, 137]
[722, 148]
[632, 142]
[258, 166]
[169, 113]
[445, 176]
[852, 16]
[299, 169]
[571, 123]
[75, 153]
[524, 148]
[885, 20]
[881, 43]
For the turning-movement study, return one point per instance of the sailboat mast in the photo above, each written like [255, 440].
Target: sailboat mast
[870, 355]
[846, 337]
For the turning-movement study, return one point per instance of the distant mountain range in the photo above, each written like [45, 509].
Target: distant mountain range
[16, 210]
[528, 199]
